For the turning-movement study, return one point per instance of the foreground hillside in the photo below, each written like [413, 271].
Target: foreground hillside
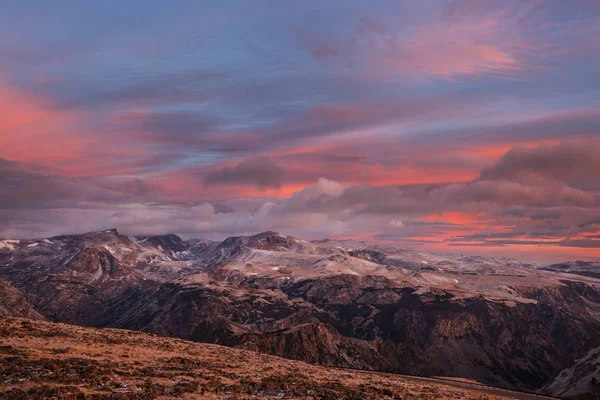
[49, 360]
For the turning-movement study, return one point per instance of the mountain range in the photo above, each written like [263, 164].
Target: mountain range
[340, 303]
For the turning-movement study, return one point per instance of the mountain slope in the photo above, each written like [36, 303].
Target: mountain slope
[581, 381]
[47, 360]
[14, 303]
[88, 279]
[584, 268]
[76, 279]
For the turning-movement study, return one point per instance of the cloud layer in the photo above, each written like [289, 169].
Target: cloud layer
[259, 171]
[449, 125]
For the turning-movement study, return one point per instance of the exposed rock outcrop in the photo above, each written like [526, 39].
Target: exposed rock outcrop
[14, 303]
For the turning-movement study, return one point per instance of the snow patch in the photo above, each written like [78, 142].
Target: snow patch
[110, 249]
[97, 275]
[35, 244]
[275, 268]
[47, 241]
[9, 244]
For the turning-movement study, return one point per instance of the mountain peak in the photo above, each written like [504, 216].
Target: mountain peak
[168, 242]
[168, 236]
[267, 234]
[112, 231]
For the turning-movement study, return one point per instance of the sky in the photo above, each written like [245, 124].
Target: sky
[452, 126]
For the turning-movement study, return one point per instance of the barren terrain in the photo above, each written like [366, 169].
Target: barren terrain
[51, 360]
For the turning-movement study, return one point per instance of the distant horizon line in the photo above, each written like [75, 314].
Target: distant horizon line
[374, 242]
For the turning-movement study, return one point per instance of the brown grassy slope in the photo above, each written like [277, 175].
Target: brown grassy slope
[41, 360]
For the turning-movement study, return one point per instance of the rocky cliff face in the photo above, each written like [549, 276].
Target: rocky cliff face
[581, 381]
[14, 303]
[77, 279]
[86, 290]
[338, 303]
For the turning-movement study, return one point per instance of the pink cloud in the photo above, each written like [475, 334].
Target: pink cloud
[473, 46]
[335, 113]
[466, 38]
[31, 129]
[63, 141]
